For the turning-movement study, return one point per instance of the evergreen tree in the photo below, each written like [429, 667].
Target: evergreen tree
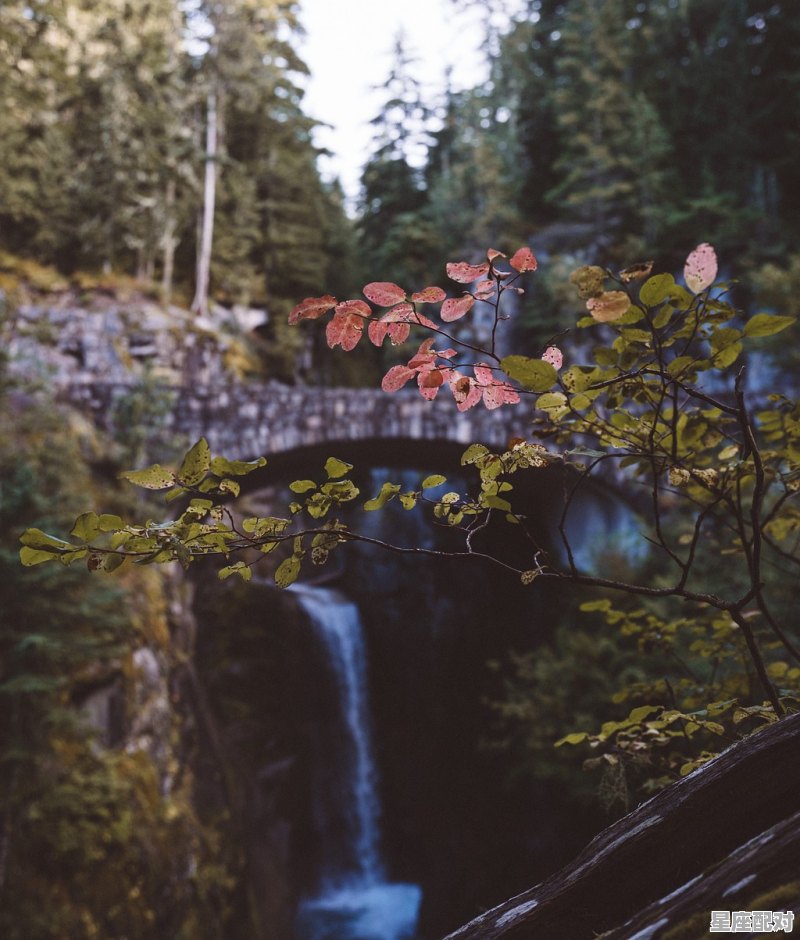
[603, 171]
[392, 185]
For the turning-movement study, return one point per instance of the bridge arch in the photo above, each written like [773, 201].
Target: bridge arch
[246, 420]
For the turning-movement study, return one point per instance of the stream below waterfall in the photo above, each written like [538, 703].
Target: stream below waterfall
[353, 899]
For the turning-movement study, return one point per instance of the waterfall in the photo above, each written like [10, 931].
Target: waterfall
[354, 900]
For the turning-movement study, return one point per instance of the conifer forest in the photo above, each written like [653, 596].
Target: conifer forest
[466, 609]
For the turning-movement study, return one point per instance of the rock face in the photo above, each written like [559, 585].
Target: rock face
[96, 355]
[67, 342]
[724, 838]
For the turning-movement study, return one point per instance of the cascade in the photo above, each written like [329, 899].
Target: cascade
[354, 900]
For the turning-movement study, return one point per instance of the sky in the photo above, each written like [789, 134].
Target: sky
[348, 50]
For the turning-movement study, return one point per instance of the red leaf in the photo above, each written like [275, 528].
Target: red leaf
[523, 260]
[345, 328]
[384, 293]
[431, 381]
[311, 308]
[466, 273]
[500, 394]
[396, 378]
[554, 356]
[429, 295]
[464, 389]
[354, 306]
[493, 253]
[485, 290]
[609, 306]
[398, 332]
[456, 307]
[423, 355]
[397, 323]
[700, 270]
[495, 392]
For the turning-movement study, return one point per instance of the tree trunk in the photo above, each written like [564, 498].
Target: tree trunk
[724, 838]
[168, 243]
[200, 302]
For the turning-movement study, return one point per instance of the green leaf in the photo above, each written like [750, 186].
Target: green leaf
[175, 493]
[656, 289]
[408, 500]
[679, 364]
[86, 527]
[435, 479]
[34, 556]
[643, 711]
[388, 491]
[662, 287]
[67, 558]
[534, 374]
[727, 356]
[336, 468]
[287, 571]
[152, 478]
[491, 501]
[551, 401]
[112, 562]
[195, 464]
[270, 525]
[604, 604]
[341, 490]
[229, 486]
[120, 538]
[239, 568]
[302, 486]
[765, 324]
[662, 318]
[580, 402]
[222, 467]
[35, 538]
[473, 454]
[575, 738]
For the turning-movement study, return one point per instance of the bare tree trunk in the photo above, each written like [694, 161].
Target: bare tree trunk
[694, 846]
[200, 302]
[168, 243]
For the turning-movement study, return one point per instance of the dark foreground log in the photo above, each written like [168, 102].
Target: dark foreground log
[727, 837]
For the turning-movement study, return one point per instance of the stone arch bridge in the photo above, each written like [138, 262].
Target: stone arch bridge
[247, 420]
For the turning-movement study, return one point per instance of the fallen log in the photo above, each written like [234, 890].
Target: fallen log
[696, 830]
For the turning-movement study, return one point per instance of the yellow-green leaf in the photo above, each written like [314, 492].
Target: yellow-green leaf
[86, 527]
[152, 478]
[388, 491]
[287, 571]
[302, 486]
[336, 468]
[473, 454]
[195, 464]
[239, 568]
[765, 324]
[220, 466]
[534, 374]
[34, 556]
[575, 738]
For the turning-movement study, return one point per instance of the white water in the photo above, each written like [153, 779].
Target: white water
[355, 901]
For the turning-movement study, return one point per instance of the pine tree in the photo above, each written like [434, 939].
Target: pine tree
[392, 181]
[594, 102]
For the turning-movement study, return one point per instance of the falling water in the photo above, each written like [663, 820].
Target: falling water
[354, 901]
